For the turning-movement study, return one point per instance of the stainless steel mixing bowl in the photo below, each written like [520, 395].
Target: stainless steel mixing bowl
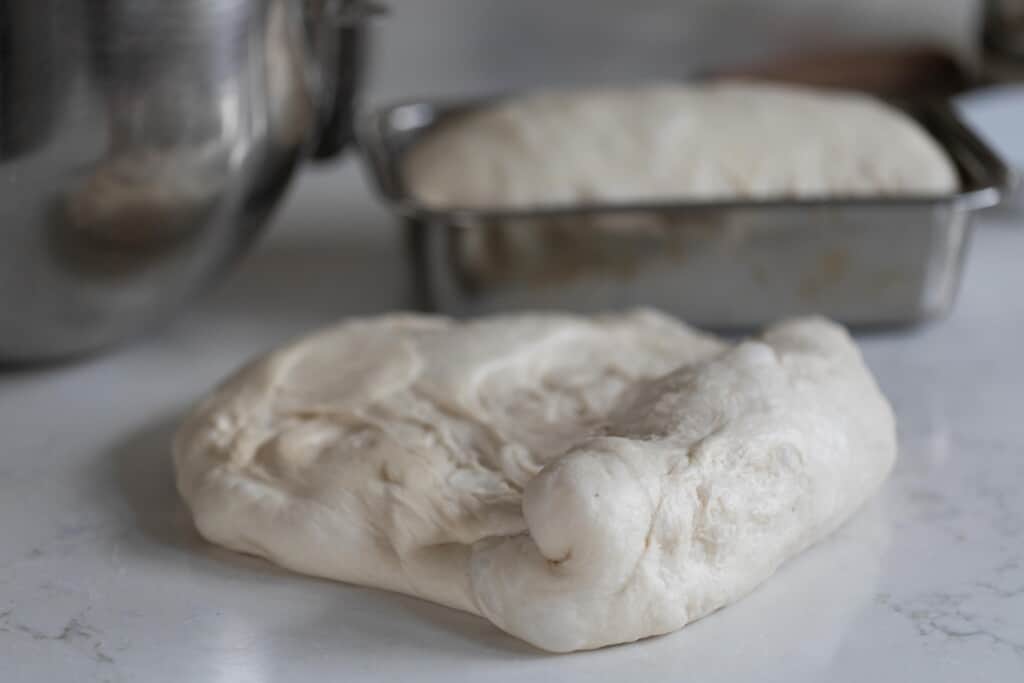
[143, 143]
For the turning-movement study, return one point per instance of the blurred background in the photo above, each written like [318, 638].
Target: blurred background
[451, 47]
[167, 134]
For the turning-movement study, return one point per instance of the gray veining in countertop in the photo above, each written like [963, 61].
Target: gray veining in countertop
[102, 577]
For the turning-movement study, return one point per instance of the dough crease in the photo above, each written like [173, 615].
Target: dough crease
[577, 481]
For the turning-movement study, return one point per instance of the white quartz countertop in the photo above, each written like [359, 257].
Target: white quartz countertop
[102, 577]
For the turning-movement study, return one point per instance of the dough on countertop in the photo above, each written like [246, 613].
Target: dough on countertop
[716, 141]
[578, 481]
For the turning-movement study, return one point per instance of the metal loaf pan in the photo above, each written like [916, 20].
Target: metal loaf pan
[724, 264]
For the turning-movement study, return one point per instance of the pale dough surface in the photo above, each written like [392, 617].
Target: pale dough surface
[577, 481]
[685, 142]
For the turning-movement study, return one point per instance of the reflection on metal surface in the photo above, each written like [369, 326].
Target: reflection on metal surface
[559, 249]
[729, 264]
[142, 145]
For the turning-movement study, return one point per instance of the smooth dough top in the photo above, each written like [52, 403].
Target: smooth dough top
[577, 481]
[718, 141]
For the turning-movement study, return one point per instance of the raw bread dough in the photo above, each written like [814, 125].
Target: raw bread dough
[720, 141]
[577, 481]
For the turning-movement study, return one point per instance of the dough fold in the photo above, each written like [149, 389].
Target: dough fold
[579, 482]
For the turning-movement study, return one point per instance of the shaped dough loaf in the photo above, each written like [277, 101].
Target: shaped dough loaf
[657, 143]
[577, 481]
